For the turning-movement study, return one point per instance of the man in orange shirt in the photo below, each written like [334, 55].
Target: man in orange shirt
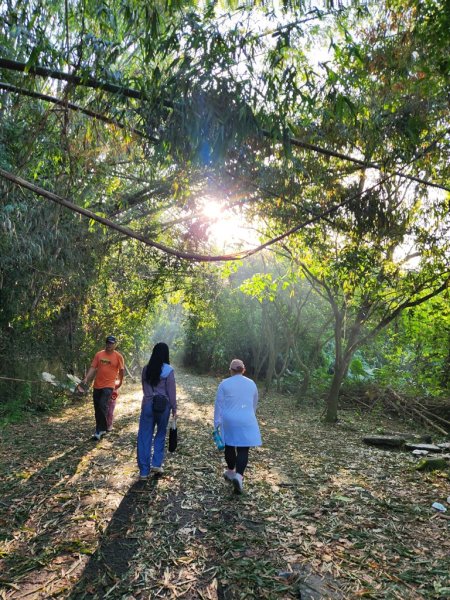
[108, 367]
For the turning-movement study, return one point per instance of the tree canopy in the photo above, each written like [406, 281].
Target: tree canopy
[322, 125]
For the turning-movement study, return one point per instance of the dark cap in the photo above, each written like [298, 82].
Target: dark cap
[111, 339]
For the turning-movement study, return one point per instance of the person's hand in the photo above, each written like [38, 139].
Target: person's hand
[174, 414]
[82, 387]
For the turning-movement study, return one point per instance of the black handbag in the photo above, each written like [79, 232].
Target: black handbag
[173, 436]
[160, 401]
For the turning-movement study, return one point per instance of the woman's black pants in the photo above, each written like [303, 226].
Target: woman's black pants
[236, 458]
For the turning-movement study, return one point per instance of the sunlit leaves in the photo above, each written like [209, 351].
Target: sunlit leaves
[260, 286]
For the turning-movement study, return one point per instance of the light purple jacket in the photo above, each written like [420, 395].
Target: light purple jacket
[166, 386]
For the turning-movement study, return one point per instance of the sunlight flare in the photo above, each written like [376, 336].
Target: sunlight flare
[227, 230]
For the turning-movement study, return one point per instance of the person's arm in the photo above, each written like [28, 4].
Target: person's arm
[172, 393]
[255, 399]
[89, 376]
[218, 407]
[120, 377]
[120, 372]
[146, 388]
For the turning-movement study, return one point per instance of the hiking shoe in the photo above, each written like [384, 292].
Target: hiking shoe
[228, 475]
[98, 435]
[157, 470]
[237, 484]
[143, 477]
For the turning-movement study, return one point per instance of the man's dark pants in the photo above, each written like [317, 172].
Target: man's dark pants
[101, 397]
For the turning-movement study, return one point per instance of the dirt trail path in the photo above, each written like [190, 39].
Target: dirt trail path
[323, 516]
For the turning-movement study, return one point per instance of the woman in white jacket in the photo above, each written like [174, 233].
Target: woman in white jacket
[234, 413]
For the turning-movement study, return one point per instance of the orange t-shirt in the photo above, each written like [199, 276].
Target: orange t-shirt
[108, 365]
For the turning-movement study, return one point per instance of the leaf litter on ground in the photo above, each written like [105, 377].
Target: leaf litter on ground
[322, 516]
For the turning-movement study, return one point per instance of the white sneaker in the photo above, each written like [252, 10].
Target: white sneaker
[157, 470]
[98, 435]
[237, 483]
[229, 474]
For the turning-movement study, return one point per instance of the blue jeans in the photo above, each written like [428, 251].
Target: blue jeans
[146, 438]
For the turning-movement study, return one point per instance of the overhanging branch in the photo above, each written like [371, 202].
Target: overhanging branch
[178, 253]
[90, 113]
[124, 230]
[126, 92]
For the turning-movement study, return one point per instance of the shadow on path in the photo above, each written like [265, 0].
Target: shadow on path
[110, 563]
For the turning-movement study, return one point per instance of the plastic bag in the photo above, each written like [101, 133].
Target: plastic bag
[218, 439]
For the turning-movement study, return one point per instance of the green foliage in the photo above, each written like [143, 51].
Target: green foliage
[28, 398]
[17, 400]
[359, 370]
[274, 323]
[178, 99]
[218, 325]
[432, 464]
[413, 353]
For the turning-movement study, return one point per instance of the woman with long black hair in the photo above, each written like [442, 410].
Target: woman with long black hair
[158, 385]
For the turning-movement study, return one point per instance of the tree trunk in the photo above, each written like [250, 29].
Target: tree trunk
[305, 383]
[270, 344]
[270, 365]
[333, 394]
